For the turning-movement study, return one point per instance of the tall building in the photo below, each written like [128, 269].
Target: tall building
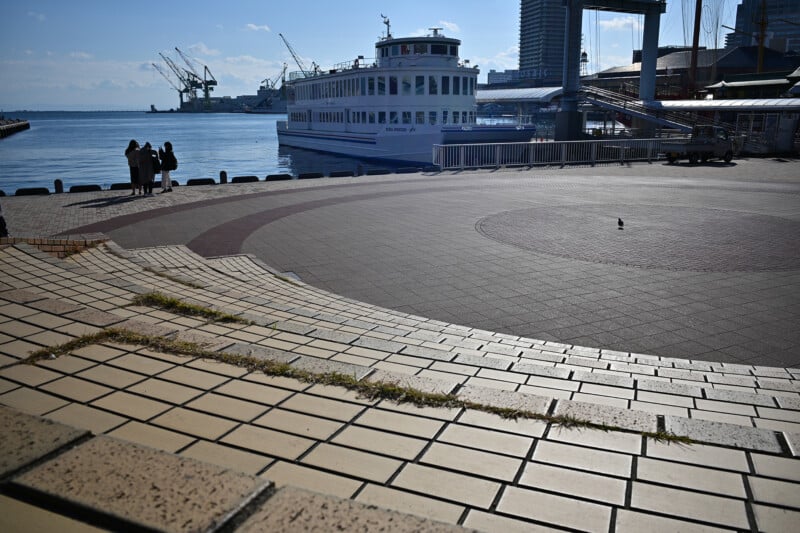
[781, 20]
[541, 42]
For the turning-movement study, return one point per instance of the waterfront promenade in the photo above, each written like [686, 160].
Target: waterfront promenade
[510, 291]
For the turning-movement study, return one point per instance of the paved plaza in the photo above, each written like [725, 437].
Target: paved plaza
[409, 352]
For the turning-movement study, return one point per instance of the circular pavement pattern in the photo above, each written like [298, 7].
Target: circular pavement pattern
[659, 237]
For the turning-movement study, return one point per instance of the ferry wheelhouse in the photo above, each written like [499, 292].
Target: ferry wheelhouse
[414, 94]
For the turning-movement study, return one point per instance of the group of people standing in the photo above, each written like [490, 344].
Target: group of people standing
[144, 163]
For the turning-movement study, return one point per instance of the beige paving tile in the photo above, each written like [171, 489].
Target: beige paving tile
[76, 389]
[775, 520]
[774, 492]
[17, 516]
[254, 392]
[218, 454]
[777, 425]
[541, 391]
[282, 473]
[140, 364]
[674, 502]
[446, 413]
[107, 375]
[699, 454]
[574, 483]
[276, 381]
[6, 385]
[484, 521]
[168, 357]
[400, 423]
[459, 488]
[598, 461]
[18, 349]
[267, 441]
[165, 390]
[352, 462]
[85, 417]
[339, 393]
[600, 400]
[227, 407]
[31, 375]
[325, 407]
[194, 423]
[194, 378]
[779, 467]
[485, 439]
[131, 405]
[636, 522]
[49, 338]
[659, 409]
[218, 367]
[405, 502]
[522, 426]
[31, 401]
[721, 417]
[666, 399]
[615, 441]
[152, 436]
[377, 441]
[66, 364]
[472, 461]
[304, 425]
[556, 510]
[691, 477]
[726, 407]
[100, 353]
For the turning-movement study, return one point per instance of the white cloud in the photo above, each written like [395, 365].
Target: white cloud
[255, 27]
[203, 50]
[507, 59]
[80, 55]
[449, 26]
[620, 23]
[28, 52]
[38, 16]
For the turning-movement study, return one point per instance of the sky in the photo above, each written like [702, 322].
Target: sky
[98, 54]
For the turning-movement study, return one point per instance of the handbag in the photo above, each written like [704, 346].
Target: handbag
[156, 163]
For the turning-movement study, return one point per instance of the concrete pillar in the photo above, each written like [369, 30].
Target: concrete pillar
[568, 120]
[647, 79]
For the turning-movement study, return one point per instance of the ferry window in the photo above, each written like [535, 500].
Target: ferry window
[406, 85]
[405, 49]
[364, 117]
[371, 86]
[363, 87]
[406, 117]
[433, 87]
[472, 117]
[392, 84]
[444, 117]
[381, 117]
[393, 117]
[453, 50]
[472, 86]
[464, 117]
[372, 117]
[456, 84]
[455, 117]
[381, 85]
[395, 49]
[439, 49]
[445, 84]
[420, 117]
[419, 87]
[464, 84]
[421, 48]
[432, 118]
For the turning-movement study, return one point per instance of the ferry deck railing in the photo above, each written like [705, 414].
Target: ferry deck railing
[561, 153]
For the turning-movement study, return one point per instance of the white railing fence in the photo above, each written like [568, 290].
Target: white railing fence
[496, 155]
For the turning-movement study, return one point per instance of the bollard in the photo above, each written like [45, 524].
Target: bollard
[59, 186]
[223, 177]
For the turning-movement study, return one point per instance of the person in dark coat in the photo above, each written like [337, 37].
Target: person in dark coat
[146, 173]
[132, 154]
[168, 163]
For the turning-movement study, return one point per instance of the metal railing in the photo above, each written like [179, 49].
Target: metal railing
[496, 155]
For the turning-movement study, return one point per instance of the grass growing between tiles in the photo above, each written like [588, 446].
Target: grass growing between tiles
[370, 390]
[168, 303]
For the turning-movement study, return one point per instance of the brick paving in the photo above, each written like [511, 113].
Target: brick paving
[252, 433]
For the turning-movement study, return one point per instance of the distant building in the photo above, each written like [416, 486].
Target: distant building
[499, 78]
[781, 29]
[541, 42]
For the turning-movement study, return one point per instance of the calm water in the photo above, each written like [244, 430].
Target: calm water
[87, 148]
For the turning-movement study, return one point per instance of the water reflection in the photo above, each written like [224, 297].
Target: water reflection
[296, 161]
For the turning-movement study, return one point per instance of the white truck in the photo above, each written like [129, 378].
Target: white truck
[706, 142]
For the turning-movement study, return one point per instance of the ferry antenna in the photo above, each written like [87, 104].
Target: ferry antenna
[436, 31]
[388, 26]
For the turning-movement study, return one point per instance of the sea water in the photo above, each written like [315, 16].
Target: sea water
[82, 148]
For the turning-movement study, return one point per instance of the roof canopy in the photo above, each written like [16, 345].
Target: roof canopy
[542, 95]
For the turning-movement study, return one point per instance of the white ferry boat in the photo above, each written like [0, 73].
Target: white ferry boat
[414, 94]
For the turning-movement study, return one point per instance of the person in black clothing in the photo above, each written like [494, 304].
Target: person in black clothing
[168, 164]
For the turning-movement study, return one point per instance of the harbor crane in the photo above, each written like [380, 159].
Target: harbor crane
[306, 73]
[161, 71]
[272, 83]
[207, 82]
[188, 80]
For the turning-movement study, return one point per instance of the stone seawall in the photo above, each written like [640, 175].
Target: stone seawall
[10, 127]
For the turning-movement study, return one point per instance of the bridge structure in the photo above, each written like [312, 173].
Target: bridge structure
[568, 120]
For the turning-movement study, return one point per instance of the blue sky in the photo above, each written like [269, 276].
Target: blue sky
[97, 54]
